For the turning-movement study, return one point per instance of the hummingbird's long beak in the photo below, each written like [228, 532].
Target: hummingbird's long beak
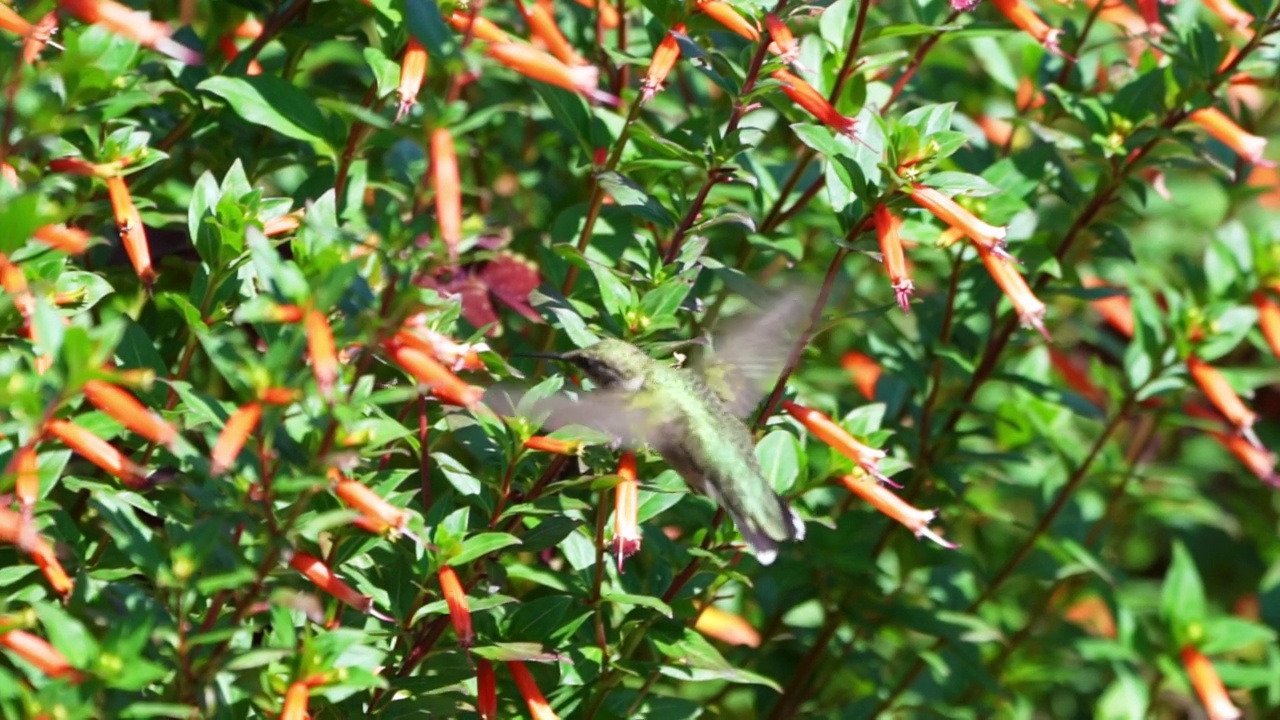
[542, 355]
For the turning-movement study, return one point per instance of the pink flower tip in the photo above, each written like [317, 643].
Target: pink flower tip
[902, 291]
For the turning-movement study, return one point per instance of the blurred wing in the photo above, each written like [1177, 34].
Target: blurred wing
[627, 417]
[750, 350]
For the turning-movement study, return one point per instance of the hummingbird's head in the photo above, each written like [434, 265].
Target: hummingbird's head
[611, 364]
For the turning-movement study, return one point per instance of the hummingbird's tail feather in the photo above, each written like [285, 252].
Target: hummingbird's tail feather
[763, 537]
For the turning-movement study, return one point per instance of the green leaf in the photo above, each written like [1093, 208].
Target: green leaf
[1182, 598]
[695, 659]
[780, 458]
[272, 103]
[480, 545]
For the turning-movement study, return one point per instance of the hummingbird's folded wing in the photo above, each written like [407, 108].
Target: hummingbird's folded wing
[750, 350]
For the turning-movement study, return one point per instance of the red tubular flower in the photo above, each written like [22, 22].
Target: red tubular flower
[129, 224]
[895, 261]
[79, 166]
[72, 241]
[278, 396]
[480, 28]
[40, 653]
[441, 382]
[380, 514]
[17, 530]
[537, 65]
[1259, 461]
[808, 97]
[1077, 377]
[486, 690]
[413, 69]
[323, 351]
[1225, 130]
[227, 44]
[295, 702]
[9, 174]
[731, 19]
[1224, 398]
[39, 36]
[448, 186]
[1115, 310]
[1026, 20]
[608, 14]
[664, 59]
[1029, 307]
[320, 574]
[1229, 13]
[863, 370]
[282, 224]
[950, 212]
[1208, 685]
[539, 708]
[126, 410]
[543, 26]
[882, 499]
[626, 506]
[129, 23]
[97, 451]
[727, 627]
[1151, 14]
[456, 598]
[542, 443]
[233, 437]
[1268, 319]
[829, 432]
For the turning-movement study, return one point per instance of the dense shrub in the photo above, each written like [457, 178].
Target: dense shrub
[262, 261]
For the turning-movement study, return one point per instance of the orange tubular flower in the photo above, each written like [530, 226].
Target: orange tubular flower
[320, 574]
[783, 43]
[286, 314]
[126, 410]
[295, 702]
[533, 63]
[1026, 20]
[129, 224]
[448, 186]
[233, 436]
[79, 166]
[380, 514]
[864, 371]
[278, 396]
[9, 174]
[13, 22]
[486, 690]
[543, 26]
[26, 467]
[1077, 377]
[542, 443]
[1268, 319]
[38, 37]
[1116, 310]
[1224, 398]
[626, 506]
[413, 68]
[17, 530]
[456, 598]
[879, 497]
[808, 97]
[826, 430]
[1204, 678]
[731, 19]
[1229, 13]
[39, 652]
[608, 14]
[664, 59]
[122, 20]
[727, 627]
[539, 708]
[481, 28]
[1029, 307]
[282, 224]
[14, 282]
[1226, 131]
[895, 262]
[1260, 462]
[459, 356]
[323, 351]
[72, 241]
[950, 212]
[442, 383]
[97, 451]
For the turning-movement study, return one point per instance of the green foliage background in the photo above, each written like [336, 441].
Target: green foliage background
[183, 603]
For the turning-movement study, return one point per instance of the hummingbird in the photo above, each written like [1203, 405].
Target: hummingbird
[694, 417]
